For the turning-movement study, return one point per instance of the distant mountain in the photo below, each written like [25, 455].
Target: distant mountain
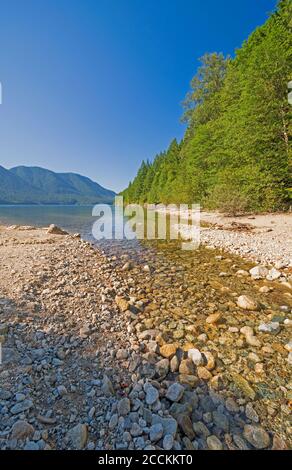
[34, 185]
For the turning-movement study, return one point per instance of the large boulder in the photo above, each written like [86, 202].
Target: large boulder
[54, 230]
[21, 430]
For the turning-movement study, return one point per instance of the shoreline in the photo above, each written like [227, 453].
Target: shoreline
[102, 353]
[262, 238]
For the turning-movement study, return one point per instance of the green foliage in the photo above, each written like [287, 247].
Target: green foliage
[236, 153]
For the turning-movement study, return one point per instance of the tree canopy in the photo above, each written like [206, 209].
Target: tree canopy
[236, 151]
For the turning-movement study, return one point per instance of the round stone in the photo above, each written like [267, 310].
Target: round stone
[214, 443]
[21, 430]
[195, 356]
[256, 436]
[168, 442]
[247, 303]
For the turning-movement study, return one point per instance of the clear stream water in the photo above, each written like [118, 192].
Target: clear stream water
[185, 286]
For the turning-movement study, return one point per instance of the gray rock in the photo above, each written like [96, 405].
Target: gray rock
[156, 432]
[186, 426]
[221, 421]
[107, 386]
[240, 442]
[256, 436]
[21, 430]
[19, 397]
[174, 364]
[113, 421]
[152, 395]
[5, 394]
[30, 445]
[54, 230]
[214, 443]
[21, 407]
[148, 334]
[62, 390]
[175, 392]
[3, 329]
[162, 367]
[169, 424]
[201, 429]
[271, 327]
[124, 406]
[251, 413]
[153, 347]
[122, 354]
[127, 266]
[78, 436]
[136, 430]
[168, 442]
[231, 405]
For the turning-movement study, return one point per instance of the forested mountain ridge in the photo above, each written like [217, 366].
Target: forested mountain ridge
[236, 151]
[34, 185]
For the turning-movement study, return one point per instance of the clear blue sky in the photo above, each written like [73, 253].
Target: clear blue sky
[95, 86]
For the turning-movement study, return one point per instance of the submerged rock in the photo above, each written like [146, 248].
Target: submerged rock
[247, 303]
[273, 274]
[244, 385]
[272, 327]
[258, 272]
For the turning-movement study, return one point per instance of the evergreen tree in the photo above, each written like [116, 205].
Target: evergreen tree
[236, 152]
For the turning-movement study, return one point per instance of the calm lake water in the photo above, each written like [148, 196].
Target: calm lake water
[71, 218]
[74, 219]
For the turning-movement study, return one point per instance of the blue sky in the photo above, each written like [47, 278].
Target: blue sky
[95, 86]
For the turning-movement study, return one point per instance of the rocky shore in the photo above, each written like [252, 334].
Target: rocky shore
[171, 351]
[263, 238]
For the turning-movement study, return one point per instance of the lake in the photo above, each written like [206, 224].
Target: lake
[71, 218]
[74, 219]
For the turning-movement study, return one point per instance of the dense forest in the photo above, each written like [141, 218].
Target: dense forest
[236, 152]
